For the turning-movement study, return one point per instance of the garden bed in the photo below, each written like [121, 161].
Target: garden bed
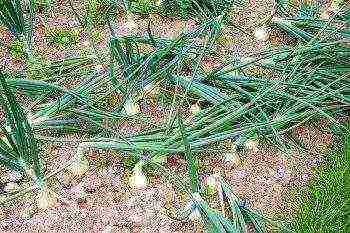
[141, 117]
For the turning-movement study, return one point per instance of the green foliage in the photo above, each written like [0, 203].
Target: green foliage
[184, 7]
[16, 49]
[96, 36]
[236, 216]
[129, 161]
[192, 164]
[62, 36]
[143, 7]
[265, 107]
[169, 8]
[192, 8]
[98, 11]
[41, 69]
[11, 15]
[311, 82]
[241, 214]
[326, 208]
[37, 69]
[165, 97]
[42, 5]
[18, 147]
[301, 9]
[308, 79]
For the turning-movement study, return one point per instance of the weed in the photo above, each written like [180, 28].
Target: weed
[143, 7]
[194, 8]
[42, 5]
[16, 49]
[62, 36]
[97, 12]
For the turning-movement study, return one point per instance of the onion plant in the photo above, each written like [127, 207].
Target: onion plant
[13, 15]
[311, 81]
[18, 146]
[307, 80]
[166, 63]
[233, 216]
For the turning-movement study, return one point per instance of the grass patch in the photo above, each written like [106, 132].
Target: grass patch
[16, 49]
[326, 208]
[143, 7]
[62, 36]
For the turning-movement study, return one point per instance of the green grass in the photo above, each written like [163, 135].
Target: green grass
[16, 49]
[62, 36]
[98, 11]
[186, 9]
[324, 206]
[143, 7]
[42, 5]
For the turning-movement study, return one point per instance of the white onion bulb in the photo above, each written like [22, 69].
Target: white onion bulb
[261, 34]
[252, 145]
[138, 180]
[195, 109]
[47, 198]
[131, 108]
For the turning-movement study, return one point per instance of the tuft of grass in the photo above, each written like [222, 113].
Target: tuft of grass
[98, 11]
[194, 8]
[62, 36]
[143, 7]
[326, 208]
[42, 5]
[16, 49]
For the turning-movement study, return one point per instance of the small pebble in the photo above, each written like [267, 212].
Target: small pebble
[11, 187]
[280, 172]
